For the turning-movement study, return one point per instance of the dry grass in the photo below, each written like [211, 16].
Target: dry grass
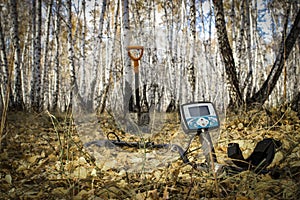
[42, 157]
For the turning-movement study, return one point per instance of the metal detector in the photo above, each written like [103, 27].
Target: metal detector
[199, 118]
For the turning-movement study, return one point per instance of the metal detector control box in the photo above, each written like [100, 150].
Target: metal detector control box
[198, 115]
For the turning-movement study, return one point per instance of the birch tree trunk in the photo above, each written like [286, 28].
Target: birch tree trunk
[240, 47]
[153, 60]
[45, 93]
[71, 52]
[257, 55]
[227, 57]
[83, 49]
[233, 21]
[33, 73]
[27, 67]
[18, 96]
[127, 70]
[71, 55]
[4, 68]
[203, 71]
[109, 81]
[246, 88]
[97, 54]
[170, 77]
[37, 34]
[56, 89]
[191, 67]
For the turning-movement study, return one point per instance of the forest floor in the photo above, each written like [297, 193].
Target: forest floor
[42, 157]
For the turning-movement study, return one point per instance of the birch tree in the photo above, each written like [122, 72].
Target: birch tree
[46, 73]
[56, 85]
[127, 70]
[191, 67]
[227, 56]
[74, 90]
[83, 49]
[4, 63]
[37, 34]
[247, 85]
[97, 53]
[109, 82]
[170, 78]
[18, 96]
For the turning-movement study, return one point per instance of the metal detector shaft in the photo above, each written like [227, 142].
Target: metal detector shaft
[207, 146]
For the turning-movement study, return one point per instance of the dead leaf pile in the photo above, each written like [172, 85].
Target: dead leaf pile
[42, 157]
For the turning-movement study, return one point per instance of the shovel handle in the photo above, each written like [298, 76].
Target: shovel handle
[135, 48]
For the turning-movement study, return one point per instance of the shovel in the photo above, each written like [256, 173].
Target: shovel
[135, 60]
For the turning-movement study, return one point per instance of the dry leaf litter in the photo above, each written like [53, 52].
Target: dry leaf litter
[43, 157]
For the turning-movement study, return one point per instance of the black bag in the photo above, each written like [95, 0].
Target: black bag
[261, 157]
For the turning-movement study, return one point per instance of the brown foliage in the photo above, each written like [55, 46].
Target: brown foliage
[43, 158]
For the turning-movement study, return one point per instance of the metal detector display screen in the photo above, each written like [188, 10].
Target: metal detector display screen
[199, 115]
[198, 111]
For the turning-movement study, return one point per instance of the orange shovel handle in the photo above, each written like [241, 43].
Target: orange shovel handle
[135, 59]
[137, 48]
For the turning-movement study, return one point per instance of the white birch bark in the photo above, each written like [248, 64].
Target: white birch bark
[36, 74]
[74, 90]
[57, 81]
[233, 25]
[45, 93]
[4, 69]
[83, 51]
[110, 82]
[240, 48]
[97, 54]
[191, 67]
[127, 69]
[33, 73]
[18, 96]
[246, 87]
